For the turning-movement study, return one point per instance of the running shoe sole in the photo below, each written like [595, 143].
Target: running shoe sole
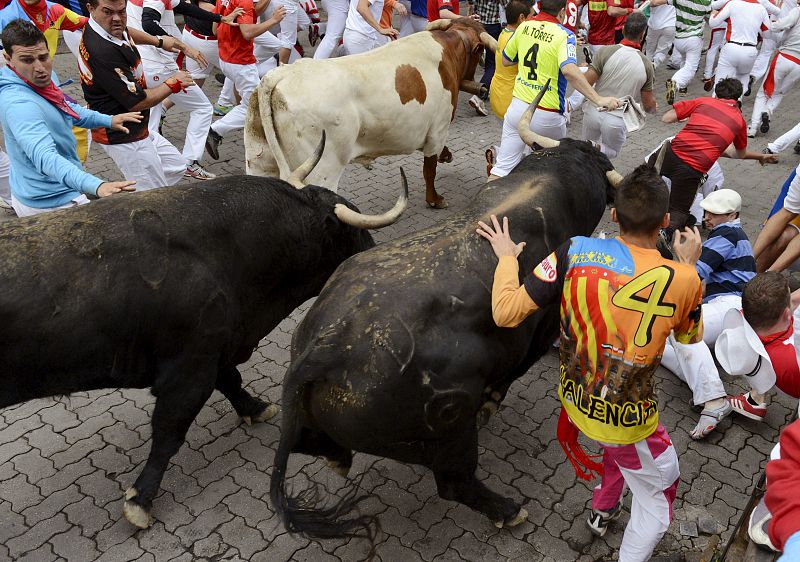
[765, 122]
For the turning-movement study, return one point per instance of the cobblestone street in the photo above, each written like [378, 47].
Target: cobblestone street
[65, 462]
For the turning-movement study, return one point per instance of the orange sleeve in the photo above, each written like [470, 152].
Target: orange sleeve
[70, 21]
[511, 303]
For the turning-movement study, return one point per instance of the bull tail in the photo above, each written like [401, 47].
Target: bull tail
[268, 87]
[306, 513]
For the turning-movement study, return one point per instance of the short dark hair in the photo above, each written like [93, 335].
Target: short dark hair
[764, 299]
[634, 25]
[729, 89]
[517, 8]
[21, 33]
[552, 7]
[641, 200]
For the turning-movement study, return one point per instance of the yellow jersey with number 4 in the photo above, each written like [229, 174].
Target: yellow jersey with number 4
[619, 304]
[541, 47]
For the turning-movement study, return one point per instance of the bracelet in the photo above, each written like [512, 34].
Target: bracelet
[160, 42]
[175, 85]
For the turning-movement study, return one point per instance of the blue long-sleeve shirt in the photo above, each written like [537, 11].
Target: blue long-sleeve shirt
[726, 262]
[45, 169]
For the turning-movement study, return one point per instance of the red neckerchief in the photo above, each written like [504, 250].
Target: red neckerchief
[635, 45]
[51, 93]
[543, 16]
[784, 360]
[37, 14]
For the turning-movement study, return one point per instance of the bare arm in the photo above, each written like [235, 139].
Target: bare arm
[649, 101]
[252, 30]
[616, 11]
[772, 230]
[575, 77]
[744, 154]
[260, 6]
[591, 76]
[669, 117]
[161, 92]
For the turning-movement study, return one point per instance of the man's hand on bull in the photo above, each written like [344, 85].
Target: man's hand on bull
[118, 121]
[195, 55]
[390, 32]
[500, 238]
[607, 103]
[687, 246]
[111, 187]
[767, 159]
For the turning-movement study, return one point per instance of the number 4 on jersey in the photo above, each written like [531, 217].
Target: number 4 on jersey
[530, 61]
[650, 307]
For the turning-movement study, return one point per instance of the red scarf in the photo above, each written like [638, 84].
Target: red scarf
[37, 14]
[584, 464]
[784, 360]
[637, 46]
[51, 93]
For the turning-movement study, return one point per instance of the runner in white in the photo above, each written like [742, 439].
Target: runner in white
[660, 33]
[415, 19]
[158, 65]
[337, 16]
[745, 19]
[363, 31]
[783, 73]
[770, 39]
[715, 43]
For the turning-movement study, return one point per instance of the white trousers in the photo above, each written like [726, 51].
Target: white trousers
[265, 47]
[689, 49]
[604, 128]
[693, 363]
[287, 32]
[5, 172]
[768, 48]
[714, 45]
[512, 149]
[193, 100]
[412, 24]
[152, 162]
[786, 140]
[736, 61]
[72, 39]
[210, 50]
[245, 78]
[356, 42]
[23, 210]
[337, 17]
[785, 75]
[658, 43]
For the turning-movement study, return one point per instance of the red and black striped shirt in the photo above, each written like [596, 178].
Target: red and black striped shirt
[713, 125]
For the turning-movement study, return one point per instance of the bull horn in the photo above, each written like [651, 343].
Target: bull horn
[524, 127]
[439, 24]
[360, 220]
[614, 177]
[298, 177]
[488, 41]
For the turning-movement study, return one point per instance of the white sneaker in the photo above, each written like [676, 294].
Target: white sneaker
[478, 105]
[197, 172]
[751, 132]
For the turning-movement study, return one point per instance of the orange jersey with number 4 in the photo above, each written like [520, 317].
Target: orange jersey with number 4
[619, 304]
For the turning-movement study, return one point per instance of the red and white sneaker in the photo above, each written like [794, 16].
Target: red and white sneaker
[741, 405]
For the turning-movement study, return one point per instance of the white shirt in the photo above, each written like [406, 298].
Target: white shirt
[745, 18]
[791, 39]
[167, 23]
[661, 16]
[356, 23]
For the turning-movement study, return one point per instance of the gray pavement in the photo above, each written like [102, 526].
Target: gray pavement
[65, 462]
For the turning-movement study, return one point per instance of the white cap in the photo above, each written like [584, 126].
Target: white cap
[722, 202]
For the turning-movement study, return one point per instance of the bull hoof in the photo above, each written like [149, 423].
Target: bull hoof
[487, 411]
[265, 414]
[445, 157]
[513, 521]
[339, 468]
[135, 513]
[440, 203]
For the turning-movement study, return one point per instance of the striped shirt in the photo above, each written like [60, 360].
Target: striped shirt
[726, 262]
[713, 125]
[690, 17]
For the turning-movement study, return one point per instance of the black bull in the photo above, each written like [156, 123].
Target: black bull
[169, 289]
[399, 353]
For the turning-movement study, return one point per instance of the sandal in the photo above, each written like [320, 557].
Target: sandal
[709, 420]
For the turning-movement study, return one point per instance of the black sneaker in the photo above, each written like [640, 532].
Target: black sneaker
[212, 144]
[767, 151]
[750, 85]
[587, 54]
[683, 91]
[797, 148]
[670, 95]
[219, 77]
[598, 520]
[664, 243]
[764, 122]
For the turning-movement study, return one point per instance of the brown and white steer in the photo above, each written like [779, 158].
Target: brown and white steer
[396, 99]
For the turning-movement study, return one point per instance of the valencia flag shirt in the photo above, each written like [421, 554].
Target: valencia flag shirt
[618, 305]
[541, 47]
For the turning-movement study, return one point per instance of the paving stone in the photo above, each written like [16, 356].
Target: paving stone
[73, 546]
[180, 485]
[100, 488]
[13, 523]
[471, 548]
[65, 476]
[248, 540]
[77, 451]
[437, 539]
[282, 547]
[12, 449]
[211, 495]
[203, 524]
[162, 544]
[38, 534]
[171, 513]
[47, 440]
[20, 493]
[42, 554]
[688, 529]
[89, 427]
[121, 531]
[122, 552]
[251, 509]
[221, 465]
[53, 503]
[709, 526]
[87, 516]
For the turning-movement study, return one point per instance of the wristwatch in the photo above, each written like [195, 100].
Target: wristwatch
[160, 42]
